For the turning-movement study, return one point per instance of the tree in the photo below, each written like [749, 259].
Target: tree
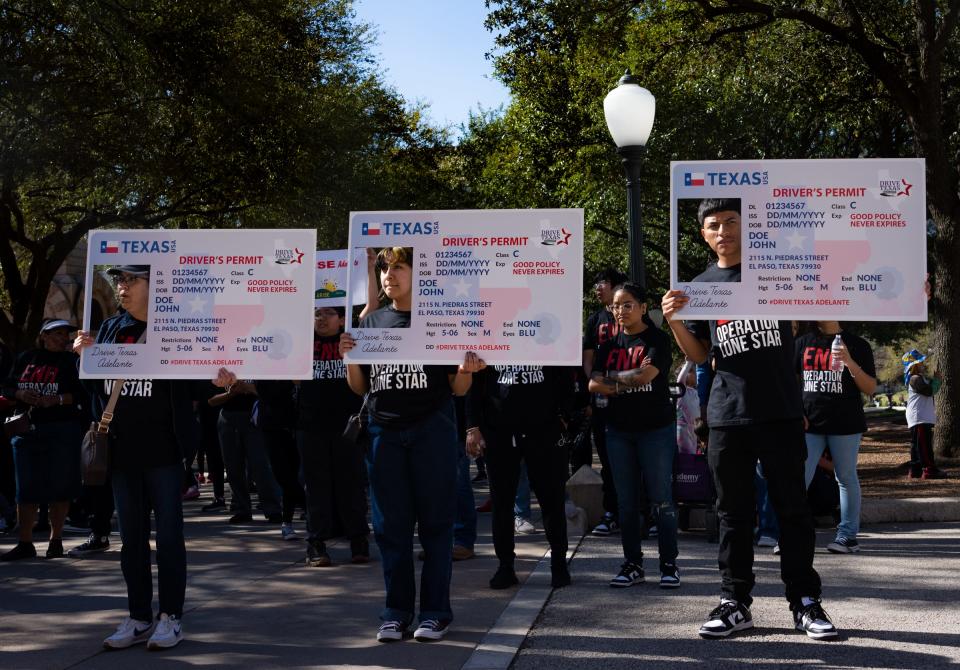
[148, 112]
[741, 79]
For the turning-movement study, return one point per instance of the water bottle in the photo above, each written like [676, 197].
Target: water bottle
[836, 364]
[600, 401]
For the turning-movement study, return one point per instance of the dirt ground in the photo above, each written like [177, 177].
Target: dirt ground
[883, 464]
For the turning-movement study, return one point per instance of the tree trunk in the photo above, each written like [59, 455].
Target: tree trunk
[946, 333]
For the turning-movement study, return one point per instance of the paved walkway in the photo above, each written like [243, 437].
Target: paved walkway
[251, 603]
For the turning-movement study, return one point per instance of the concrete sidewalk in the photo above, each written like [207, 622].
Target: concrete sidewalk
[250, 602]
[896, 605]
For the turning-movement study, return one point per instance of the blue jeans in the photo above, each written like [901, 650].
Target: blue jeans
[767, 517]
[135, 494]
[844, 450]
[521, 505]
[413, 481]
[639, 459]
[465, 526]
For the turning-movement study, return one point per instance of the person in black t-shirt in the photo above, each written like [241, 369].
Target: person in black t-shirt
[834, 410]
[152, 422]
[47, 457]
[412, 462]
[514, 415]
[601, 326]
[332, 466]
[630, 370]
[754, 412]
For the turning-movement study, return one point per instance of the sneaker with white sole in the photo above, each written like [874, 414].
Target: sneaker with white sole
[813, 620]
[168, 633]
[776, 549]
[844, 545]
[669, 576]
[390, 631]
[728, 617]
[95, 544]
[607, 526]
[288, 532]
[766, 541]
[129, 633]
[630, 574]
[431, 630]
[523, 526]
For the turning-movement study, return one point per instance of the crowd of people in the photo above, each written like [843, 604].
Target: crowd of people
[400, 436]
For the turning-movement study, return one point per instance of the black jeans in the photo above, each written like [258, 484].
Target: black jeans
[547, 469]
[333, 477]
[782, 451]
[136, 494]
[285, 463]
[210, 448]
[598, 426]
[97, 502]
[244, 450]
[921, 448]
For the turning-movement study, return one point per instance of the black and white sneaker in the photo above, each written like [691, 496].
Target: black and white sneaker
[391, 631]
[812, 620]
[669, 576]
[630, 574]
[844, 545]
[95, 544]
[431, 630]
[607, 525]
[729, 617]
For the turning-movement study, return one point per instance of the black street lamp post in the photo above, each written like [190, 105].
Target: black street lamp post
[629, 110]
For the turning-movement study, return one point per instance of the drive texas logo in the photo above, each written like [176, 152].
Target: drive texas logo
[554, 237]
[891, 188]
[288, 256]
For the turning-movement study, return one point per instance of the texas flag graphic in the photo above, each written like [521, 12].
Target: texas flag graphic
[367, 229]
[109, 247]
[693, 179]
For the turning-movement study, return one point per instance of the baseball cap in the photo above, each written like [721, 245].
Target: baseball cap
[142, 271]
[53, 324]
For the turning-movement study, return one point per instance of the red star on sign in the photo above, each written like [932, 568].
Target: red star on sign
[906, 188]
[566, 237]
[299, 255]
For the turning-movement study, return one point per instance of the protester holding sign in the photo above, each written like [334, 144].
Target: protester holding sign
[754, 412]
[47, 455]
[630, 370]
[412, 462]
[514, 415]
[833, 407]
[152, 421]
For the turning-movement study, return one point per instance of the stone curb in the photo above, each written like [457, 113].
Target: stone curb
[907, 510]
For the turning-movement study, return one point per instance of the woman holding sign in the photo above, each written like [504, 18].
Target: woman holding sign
[412, 461]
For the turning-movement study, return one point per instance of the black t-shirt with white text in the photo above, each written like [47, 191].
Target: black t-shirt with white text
[520, 397]
[600, 327]
[402, 395]
[644, 407]
[831, 400]
[755, 380]
[326, 399]
[49, 373]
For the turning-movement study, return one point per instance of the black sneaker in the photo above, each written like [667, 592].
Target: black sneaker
[630, 574]
[216, 505]
[812, 620]
[21, 551]
[729, 617]
[559, 574]
[241, 517]
[669, 576]
[359, 550]
[504, 578]
[94, 545]
[844, 545]
[55, 549]
[607, 526]
[431, 630]
[317, 556]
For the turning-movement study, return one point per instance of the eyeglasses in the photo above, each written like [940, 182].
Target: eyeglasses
[125, 279]
[623, 306]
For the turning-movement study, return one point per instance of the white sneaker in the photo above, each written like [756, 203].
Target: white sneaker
[766, 541]
[287, 532]
[129, 633]
[168, 633]
[523, 526]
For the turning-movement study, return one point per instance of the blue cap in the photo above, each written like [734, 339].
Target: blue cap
[910, 359]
